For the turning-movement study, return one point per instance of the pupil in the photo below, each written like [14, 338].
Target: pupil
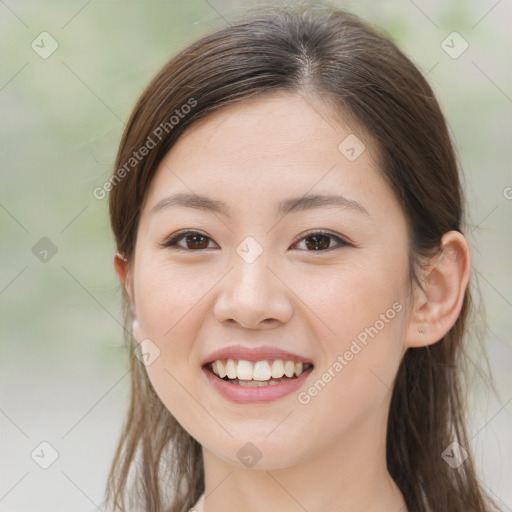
[318, 244]
[196, 242]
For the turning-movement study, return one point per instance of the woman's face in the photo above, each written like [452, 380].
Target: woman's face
[267, 270]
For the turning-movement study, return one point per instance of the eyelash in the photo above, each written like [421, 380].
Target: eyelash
[172, 241]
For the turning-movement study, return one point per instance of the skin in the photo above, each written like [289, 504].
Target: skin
[328, 454]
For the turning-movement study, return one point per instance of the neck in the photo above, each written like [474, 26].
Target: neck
[349, 476]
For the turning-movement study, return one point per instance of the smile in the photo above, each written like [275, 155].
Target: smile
[260, 381]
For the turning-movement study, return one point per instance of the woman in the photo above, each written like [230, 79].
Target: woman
[288, 217]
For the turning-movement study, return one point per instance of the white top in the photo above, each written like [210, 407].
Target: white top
[198, 507]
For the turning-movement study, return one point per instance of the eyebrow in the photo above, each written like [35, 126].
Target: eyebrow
[284, 207]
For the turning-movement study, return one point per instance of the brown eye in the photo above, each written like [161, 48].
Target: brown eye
[319, 241]
[196, 242]
[193, 241]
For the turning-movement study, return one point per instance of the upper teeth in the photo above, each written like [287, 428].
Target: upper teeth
[260, 370]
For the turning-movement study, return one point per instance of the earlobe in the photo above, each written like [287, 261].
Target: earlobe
[437, 308]
[136, 331]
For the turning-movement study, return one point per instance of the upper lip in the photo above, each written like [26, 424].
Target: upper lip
[260, 353]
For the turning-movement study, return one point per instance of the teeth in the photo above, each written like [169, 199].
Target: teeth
[260, 371]
[221, 369]
[231, 369]
[277, 369]
[244, 370]
[289, 368]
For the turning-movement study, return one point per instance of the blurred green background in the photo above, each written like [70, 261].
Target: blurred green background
[63, 367]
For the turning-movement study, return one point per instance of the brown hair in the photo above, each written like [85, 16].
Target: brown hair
[330, 54]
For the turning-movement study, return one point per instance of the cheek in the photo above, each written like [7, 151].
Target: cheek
[169, 304]
[168, 298]
[356, 377]
[360, 319]
[345, 300]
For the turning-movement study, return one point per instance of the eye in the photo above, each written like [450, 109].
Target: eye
[314, 241]
[193, 241]
[321, 241]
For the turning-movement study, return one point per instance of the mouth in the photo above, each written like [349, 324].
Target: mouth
[259, 373]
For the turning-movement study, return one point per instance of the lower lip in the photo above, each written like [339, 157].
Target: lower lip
[249, 395]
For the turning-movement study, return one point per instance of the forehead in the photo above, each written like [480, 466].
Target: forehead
[268, 146]
[268, 126]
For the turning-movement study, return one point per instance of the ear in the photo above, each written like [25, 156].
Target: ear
[436, 309]
[125, 275]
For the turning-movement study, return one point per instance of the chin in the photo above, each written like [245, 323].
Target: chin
[259, 453]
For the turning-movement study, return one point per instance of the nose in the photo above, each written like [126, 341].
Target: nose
[253, 296]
